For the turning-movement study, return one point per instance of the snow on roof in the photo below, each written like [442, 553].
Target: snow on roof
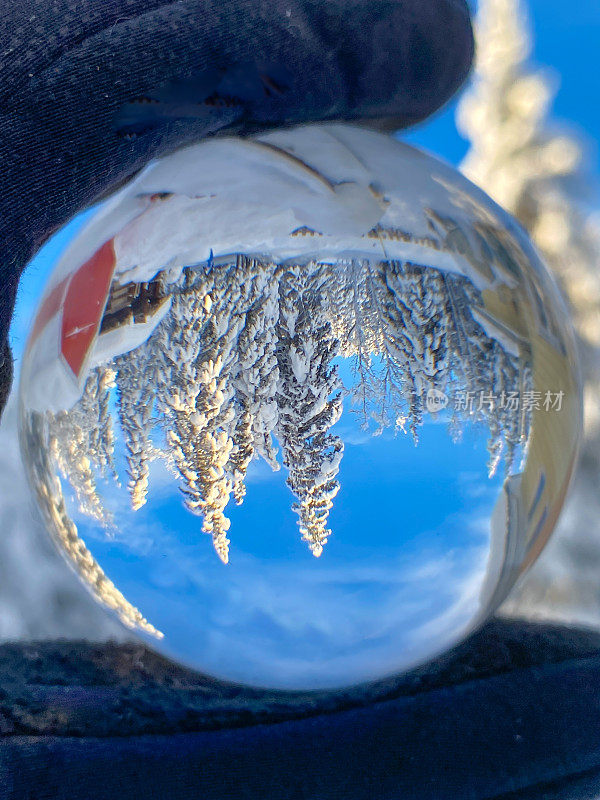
[232, 195]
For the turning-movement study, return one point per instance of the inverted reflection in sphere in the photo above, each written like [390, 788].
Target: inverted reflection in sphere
[300, 408]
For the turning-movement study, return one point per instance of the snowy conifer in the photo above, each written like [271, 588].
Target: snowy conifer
[256, 376]
[82, 442]
[208, 316]
[309, 400]
[137, 386]
[52, 502]
[94, 406]
[69, 445]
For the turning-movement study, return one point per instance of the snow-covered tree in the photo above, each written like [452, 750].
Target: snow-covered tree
[69, 447]
[201, 357]
[356, 321]
[309, 399]
[95, 407]
[536, 169]
[81, 441]
[138, 377]
[415, 331]
[418, 333]
[192, 395]
[256, 377]
[36, 433]
[395, 334]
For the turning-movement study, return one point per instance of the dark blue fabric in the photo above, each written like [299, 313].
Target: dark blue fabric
[513, 713]
[74, 77]
[463, 742]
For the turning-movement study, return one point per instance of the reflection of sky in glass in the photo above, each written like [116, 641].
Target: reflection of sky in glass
[405, 563]
[404, 566]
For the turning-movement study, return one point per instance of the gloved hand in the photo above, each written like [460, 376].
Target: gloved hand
[90, 91]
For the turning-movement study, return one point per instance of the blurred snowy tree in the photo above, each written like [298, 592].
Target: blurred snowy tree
[537, 170]
[136, 388]
[534, 169]
[81, 441]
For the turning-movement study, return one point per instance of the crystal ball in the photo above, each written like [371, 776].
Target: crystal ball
[300, 408]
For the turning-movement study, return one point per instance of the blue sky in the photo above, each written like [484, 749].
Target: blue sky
[425, 499]
[408, 555]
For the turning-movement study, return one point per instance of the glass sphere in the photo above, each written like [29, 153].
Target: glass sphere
[300, 408]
